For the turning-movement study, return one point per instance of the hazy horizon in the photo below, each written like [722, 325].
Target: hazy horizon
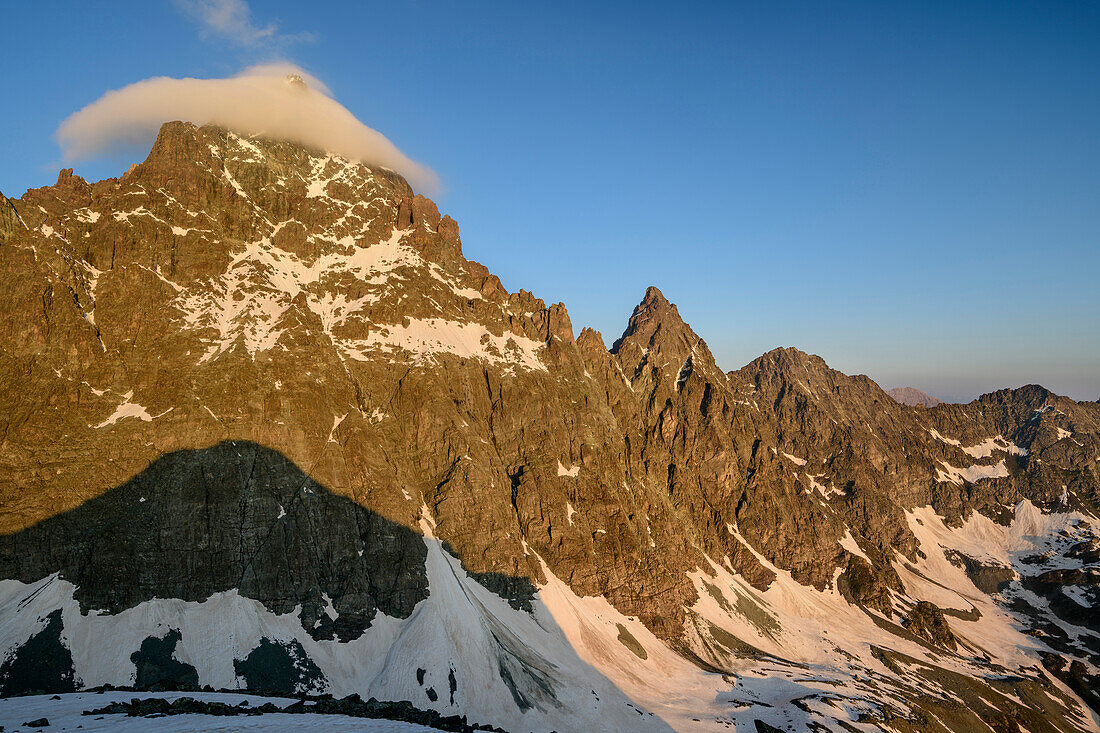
[909, 192]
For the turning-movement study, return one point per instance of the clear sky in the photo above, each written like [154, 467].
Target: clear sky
[910, 190]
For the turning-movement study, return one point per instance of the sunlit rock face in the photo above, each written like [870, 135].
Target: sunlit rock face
[266, 428]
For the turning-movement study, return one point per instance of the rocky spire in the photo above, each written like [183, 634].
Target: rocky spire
[653, 315]
[657, 338]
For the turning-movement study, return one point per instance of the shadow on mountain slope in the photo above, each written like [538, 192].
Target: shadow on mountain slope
[233, 516]
[242, 520]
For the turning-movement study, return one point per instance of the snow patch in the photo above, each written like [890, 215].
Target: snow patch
[986, 447]
[128, 408]
[970, 474]
[848, 542]
[335, 424]
[571, 472]
[949, 441]
[424, 339]
[248, 300]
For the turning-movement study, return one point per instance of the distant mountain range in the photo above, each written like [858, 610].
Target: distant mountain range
[265, 427]
[913, 397]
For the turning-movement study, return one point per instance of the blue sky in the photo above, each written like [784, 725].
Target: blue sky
[910, 190]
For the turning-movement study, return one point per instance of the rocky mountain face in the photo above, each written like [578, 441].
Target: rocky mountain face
[264, 427]
[913, 397]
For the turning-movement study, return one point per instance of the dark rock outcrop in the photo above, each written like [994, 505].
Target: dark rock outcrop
[157, 669]
[42, 665]
[926, 621]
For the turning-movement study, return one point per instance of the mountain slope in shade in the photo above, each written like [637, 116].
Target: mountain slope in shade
[261, 413]
[913, 397]
[67, 713]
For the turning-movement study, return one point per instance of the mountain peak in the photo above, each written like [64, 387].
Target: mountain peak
[295, 81]
[653, 296]
[913, 397]
[656, 337]
[785, 369]
[177, 143]
[652, 315]
[254, 242]
[788, 359]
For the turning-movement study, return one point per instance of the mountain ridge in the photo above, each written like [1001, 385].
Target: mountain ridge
[241, 290]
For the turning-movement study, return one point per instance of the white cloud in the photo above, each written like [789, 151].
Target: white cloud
[258, 101]
[232, 19]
